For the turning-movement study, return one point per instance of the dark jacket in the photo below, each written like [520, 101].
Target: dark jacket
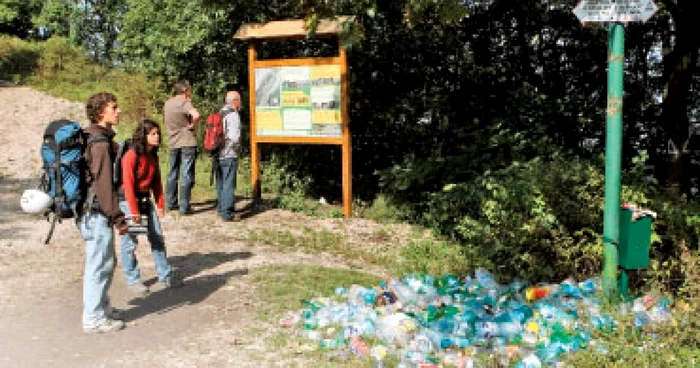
[100, 161]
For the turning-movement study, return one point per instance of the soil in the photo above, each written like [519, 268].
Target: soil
[208, 322]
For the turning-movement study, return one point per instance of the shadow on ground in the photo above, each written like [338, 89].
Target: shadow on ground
[245, 206]
[195, 289]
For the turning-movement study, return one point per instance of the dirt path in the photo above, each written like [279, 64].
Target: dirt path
[206, 323]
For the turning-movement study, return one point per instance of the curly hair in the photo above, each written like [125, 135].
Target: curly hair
[96, 104]
[140, 137]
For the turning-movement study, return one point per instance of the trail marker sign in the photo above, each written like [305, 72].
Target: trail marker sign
[615, 10]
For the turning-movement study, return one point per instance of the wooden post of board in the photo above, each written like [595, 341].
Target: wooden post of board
[254, 149]
[347, 150]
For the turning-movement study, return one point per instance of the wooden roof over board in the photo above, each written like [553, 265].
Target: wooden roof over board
[288, 29]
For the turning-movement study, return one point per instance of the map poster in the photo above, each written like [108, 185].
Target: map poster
[298, 101]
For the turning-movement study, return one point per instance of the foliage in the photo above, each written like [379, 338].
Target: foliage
[527, 213]
[18, 59]
[138, 96]
[434, 257]
[16, 17]
[382, 209]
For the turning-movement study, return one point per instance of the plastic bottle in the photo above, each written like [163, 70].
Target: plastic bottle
[312, 335]
[570, 289]
[334, 343]
[530, 361]
[641, 319]
[535, 293]
[341, 291]
[510, 330]
[485, 279]
[486, 330]
[362, 295]
[589, 286]
[403, 292]
[378, 354]
[550, 354]
[358, 347]
[455, 342]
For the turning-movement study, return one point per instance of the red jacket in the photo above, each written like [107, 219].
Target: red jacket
[148, 180]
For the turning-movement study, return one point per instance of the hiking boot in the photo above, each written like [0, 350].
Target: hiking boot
[108, 325]
[139, 288]
[172, 283]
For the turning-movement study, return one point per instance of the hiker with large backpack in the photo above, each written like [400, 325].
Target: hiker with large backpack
[101, 215]
[140, 176]
[222, 141]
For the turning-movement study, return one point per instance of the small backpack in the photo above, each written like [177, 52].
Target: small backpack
[214, 138]
[65, 168]
[214, 133]
[124, 146]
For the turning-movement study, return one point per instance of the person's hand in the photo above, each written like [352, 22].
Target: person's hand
[122, 229]
[160, 212]
[136, 219]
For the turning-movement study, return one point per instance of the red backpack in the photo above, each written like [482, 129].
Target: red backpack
[214, 136]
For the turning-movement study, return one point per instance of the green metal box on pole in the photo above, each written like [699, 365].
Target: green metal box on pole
[635, 239]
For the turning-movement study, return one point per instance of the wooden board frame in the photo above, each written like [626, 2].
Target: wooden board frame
[344, 140]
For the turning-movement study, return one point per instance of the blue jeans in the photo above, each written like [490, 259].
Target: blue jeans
[130, 264]
[226, 187]
[99, 266]
[182, 167]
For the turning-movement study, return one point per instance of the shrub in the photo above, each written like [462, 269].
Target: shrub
[537, 220]
[18, 58]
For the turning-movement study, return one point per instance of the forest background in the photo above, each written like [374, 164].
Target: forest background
[481, 120]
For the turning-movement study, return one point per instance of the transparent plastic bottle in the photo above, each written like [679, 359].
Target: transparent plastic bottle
[530, 361]
[402, 292]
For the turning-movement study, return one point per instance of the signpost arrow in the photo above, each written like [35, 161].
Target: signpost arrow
[615, 10]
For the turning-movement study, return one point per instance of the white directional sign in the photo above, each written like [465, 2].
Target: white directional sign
[615, 10]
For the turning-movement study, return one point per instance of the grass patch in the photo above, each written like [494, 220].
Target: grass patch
[283, 287]
[317, 241]
[664, 345]
[437, 257]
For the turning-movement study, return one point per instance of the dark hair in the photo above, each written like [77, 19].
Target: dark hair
[181, 87]
[139, 139]
[96, 104]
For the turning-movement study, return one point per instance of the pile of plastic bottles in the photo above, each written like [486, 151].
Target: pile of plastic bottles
[423, 321]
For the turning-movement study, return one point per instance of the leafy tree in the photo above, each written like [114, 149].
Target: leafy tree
[55, 18]
[16, 17]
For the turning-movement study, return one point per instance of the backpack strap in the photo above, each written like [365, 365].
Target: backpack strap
[91, 196]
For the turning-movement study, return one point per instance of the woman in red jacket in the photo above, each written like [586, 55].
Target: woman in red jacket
[140, 178]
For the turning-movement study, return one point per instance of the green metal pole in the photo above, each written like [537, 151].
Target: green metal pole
[613, 158]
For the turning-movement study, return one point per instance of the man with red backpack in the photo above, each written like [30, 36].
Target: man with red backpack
[225, 154]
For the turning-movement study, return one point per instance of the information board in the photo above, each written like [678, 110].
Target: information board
[298, 101]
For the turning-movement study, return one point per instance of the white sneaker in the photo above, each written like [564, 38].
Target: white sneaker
[108, 325]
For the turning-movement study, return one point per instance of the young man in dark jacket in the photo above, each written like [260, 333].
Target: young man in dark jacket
[101, 215]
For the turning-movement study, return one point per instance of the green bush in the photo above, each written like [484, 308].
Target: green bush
[18, 59]
[536, 220]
